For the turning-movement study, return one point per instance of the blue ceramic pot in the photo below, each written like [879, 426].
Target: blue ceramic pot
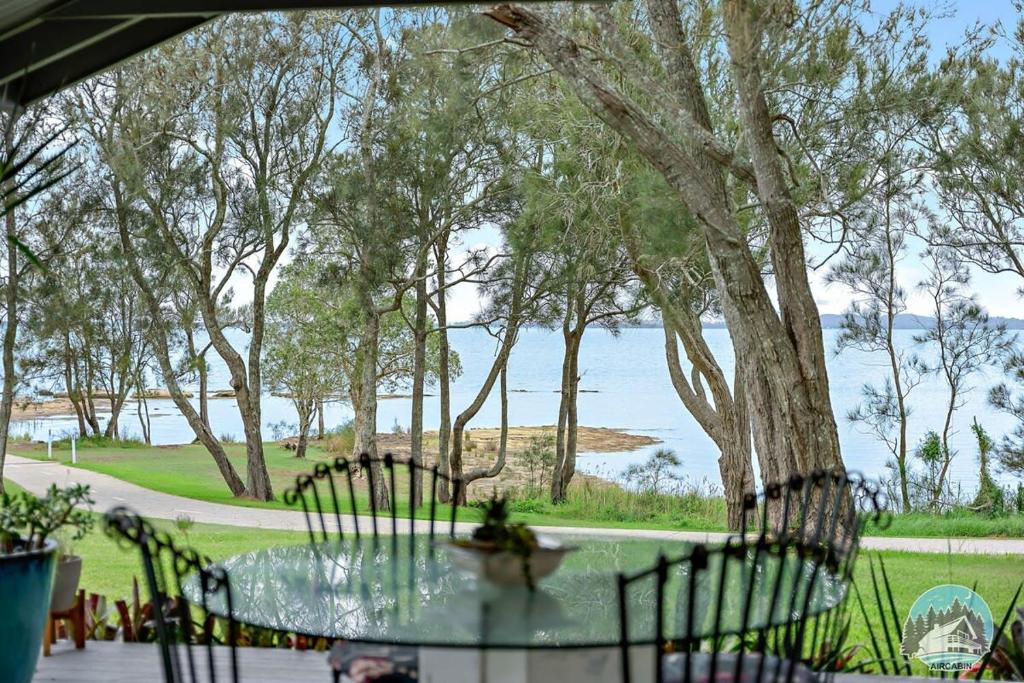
[26, 580]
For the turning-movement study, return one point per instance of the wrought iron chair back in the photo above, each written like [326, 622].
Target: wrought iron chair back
[767, 605]
[328, 498]
[186, 650]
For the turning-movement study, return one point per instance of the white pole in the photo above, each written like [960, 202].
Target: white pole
[49, 444]
[74, 453]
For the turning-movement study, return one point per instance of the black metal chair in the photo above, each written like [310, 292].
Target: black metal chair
[186, 632]
[767, 605]
[330, 494]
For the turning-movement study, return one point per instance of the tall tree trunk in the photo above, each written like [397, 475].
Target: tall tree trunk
[11, 328]
[499, 463]
[563, 413]
[418, 380]
[444, 429]
[366, 414]
[142, 410]
[69, 383]
[204, 389]
[565, 444]
[305, 411]
[791, 399]
[161, 349]
[320, 419]
[500, 361]
[726, 417]
[90, 395]
[572, 416]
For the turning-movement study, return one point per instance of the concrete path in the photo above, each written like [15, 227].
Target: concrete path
[36, 476]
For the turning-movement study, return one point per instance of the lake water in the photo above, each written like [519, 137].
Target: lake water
[625, 385]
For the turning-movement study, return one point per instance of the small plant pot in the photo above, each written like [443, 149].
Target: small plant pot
[65, 583]
[26, 582]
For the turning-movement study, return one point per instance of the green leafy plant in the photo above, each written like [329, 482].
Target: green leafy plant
[26, 522]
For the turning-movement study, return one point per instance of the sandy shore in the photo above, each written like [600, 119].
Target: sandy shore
[516, 474]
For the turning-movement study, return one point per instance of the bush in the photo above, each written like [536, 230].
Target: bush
[282, 429]
[228, 438]
[97, 441]
[340, 440]
[538, 459]
[657, 474]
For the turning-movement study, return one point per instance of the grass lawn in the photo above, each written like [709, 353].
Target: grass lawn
[189, 471]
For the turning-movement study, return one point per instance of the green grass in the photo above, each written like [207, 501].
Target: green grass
[189, 471]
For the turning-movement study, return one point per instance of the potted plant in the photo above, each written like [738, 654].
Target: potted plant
[29, 558]
[506, 553]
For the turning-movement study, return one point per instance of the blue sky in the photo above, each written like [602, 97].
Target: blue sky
[997, 293]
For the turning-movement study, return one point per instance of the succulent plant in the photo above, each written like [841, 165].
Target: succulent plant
[497, 535]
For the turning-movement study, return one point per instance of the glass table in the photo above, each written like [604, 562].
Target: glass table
[405, 591]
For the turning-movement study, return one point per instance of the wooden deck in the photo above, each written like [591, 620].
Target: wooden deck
[134, 663]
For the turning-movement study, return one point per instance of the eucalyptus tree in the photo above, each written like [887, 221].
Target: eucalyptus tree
[975, 155]
[613, 195]
[736, 162]
[876, 243]
[515, 290]
[446, 121]
[964, 341]
[573, 206]
[214, 140]
[303, 352]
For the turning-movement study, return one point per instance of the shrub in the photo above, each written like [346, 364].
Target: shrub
[657, 474]
[97, 441]
[228, 438]
[340, 440]
[537, 459]
[282, 429]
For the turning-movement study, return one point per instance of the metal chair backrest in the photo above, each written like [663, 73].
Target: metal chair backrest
[330, 499]
[760, 606]
[187, 647]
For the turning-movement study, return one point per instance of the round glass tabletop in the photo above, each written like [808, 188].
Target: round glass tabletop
[405, 590]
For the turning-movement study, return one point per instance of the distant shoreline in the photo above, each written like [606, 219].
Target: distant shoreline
[833, 321]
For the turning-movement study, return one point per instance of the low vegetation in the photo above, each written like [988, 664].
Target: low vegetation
[677, 504]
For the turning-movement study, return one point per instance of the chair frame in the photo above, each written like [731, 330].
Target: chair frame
[821, 519]
[307, 494]
[158, 552]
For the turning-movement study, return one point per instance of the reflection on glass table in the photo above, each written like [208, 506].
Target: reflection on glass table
[403, 590]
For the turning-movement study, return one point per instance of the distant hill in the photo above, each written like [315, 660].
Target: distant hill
[904, 321]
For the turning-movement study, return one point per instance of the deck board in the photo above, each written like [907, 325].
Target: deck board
[102, 662]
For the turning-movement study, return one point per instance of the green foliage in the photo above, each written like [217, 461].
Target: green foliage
[658, 474]
[538, 459]
[27, 521]
[340, 440]
[97, 441]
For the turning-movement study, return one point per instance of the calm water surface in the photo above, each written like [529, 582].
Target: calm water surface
[625, 385]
